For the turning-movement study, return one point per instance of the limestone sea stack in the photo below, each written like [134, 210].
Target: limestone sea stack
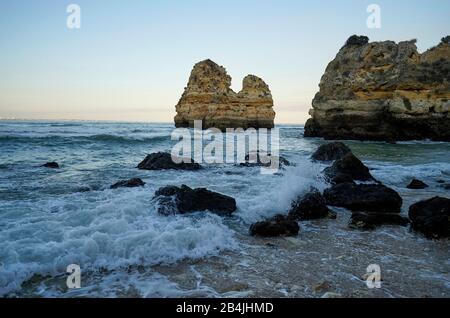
[209, 97]
[384, 91]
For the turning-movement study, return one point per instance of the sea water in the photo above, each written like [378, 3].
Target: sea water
[51, 218]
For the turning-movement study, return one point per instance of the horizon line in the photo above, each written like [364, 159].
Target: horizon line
[114, 121]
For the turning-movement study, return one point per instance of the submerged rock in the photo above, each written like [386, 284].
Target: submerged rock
[348, 167]
[431, 217]
[259, 160]
[364, 197]
[51, 165]
[371, 220]
[311, 206]
[182, 200]
[132, 183]
[209, 97]
[163, 161]
[331, 151]
[384, 91]
[278, 225]
[417, 184]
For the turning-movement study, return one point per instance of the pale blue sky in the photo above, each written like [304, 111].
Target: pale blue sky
[131, 59]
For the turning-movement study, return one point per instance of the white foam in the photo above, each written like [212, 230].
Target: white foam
[275, 197]
[120, 228]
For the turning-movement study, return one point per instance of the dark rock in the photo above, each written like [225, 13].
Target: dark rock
[258, 160]
[175, 200]
[371, 220]
[163, 161]
[331, 151]
[357, 40]
[279, 225]
[441, 181]
[84, 189]
[51, 165]
[364, 197]
[340, 178]
[167, 191]
[446, 39]
[132, 183]
[351, 167]
[417, 184]
[312, 206]
[431, 217]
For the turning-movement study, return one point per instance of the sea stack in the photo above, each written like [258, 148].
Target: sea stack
[384, 91]
[209, 97]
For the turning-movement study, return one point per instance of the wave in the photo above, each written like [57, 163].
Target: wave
[91, 138]
[117, 230]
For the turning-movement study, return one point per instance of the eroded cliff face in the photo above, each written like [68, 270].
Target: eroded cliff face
[208, 97]
[384, 91]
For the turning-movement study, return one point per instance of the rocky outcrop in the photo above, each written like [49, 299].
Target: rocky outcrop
[278, 225]
[364, 198]
[331, 151]
[384, 91]
[132, 183]
[311, 206]
[372, 220]
[346, 169]
[209, 97]
[164, 161]
[51, 165]
[181, 200]
[416, 184]
[431, 217]
[258, 159]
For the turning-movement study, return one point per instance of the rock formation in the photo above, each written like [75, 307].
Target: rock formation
[181, 200]
[384, 91]
[431, 217]
[209, 97]
[164, 161]
[279, 225]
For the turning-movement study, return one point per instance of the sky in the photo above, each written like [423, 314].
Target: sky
[131, 60]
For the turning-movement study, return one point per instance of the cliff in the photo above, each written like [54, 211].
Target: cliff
[209, 97]
[384, 91]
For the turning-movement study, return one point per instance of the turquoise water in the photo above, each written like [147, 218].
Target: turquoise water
[52, 218]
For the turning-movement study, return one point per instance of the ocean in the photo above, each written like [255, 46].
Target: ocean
[50, 218]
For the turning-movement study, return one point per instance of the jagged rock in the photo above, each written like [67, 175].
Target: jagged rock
[209, 97]
[348, 167]
[384, 91]
[331, 151]
[311, 206]
[259, 160]
[279, 225]
[132, 183]
[357, 40]
[340, 178]
[431, 217]
[182, 200]
[417, 184]
[163, 161]
[371, 220]
[364, 198]
[51, 165]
